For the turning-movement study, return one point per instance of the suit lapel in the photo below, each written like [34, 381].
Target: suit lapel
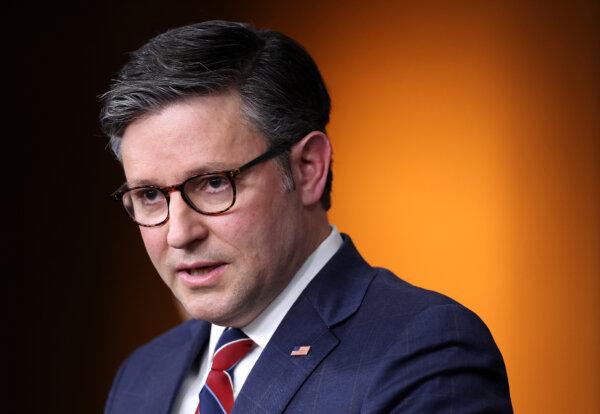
[169, 369]
[332, 296]
[277, 375]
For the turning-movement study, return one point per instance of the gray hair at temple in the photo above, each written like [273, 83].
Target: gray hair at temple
[282, 92]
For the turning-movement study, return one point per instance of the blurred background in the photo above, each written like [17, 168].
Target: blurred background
[466, 143]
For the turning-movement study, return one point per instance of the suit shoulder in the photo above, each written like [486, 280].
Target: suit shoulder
[386, 285]
[403, 304]
[438, 346]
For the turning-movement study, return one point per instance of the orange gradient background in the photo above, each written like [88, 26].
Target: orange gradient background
[466, 139]
[466, 157]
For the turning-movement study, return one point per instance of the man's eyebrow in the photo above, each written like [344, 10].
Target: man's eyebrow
[136, 183]
[207, 168]
[214, 166]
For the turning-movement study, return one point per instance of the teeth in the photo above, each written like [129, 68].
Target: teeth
[201, 271]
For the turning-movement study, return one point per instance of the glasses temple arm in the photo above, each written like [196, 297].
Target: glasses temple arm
[272, 153]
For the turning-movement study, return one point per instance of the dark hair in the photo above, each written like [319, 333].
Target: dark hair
[282, 92]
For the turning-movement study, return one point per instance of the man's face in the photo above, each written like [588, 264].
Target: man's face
[226, 268]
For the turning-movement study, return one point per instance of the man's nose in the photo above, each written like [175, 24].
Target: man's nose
[185, 225]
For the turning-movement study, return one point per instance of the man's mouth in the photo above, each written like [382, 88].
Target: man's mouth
[196, 275]
[201, 271]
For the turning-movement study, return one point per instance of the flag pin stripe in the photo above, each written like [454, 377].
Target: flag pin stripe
[300, 350]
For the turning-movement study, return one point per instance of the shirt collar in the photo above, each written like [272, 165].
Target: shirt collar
[264, 326]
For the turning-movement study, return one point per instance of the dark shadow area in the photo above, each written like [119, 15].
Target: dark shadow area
[82, 293]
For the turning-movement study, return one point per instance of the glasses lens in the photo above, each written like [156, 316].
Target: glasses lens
[147, 206]
[210, 193]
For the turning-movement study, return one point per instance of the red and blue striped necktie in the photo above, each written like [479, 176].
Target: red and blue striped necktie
[216, 396]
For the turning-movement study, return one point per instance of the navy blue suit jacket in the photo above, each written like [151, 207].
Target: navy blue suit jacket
[378, 345]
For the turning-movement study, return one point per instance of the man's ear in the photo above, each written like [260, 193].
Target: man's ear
[311, 158]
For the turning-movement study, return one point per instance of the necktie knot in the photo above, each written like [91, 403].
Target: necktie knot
[217, 394]
[231, 348]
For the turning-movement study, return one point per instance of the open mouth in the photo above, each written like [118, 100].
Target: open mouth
[201, 271]
[198, 275]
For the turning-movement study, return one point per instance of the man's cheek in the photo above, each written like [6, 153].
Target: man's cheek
[153, 242]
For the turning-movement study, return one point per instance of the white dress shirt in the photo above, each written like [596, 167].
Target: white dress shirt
[260, 330]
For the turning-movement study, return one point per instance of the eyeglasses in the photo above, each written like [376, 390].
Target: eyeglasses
[209, 193]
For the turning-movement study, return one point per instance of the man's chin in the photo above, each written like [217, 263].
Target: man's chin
[205, 312]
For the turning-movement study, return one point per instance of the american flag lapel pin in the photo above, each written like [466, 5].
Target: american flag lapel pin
[302, 350]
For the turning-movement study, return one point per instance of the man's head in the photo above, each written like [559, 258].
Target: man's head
[282, 93]
[210, 98]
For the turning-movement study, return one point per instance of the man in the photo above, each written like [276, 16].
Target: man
[220, 128]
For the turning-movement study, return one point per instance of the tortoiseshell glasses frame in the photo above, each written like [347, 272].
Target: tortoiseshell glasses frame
[156, 199]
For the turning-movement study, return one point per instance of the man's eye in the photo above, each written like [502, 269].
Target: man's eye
[148, 195]
[214, 184]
